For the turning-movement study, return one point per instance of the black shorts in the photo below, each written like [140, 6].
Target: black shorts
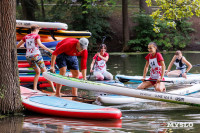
[63, 60]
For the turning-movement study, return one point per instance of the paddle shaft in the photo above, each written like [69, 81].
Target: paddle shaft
[126, 80]
[104, 37]
[160, 81]
[197, 65]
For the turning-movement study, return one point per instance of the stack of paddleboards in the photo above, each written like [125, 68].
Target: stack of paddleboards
[51, 32]
[26, 74]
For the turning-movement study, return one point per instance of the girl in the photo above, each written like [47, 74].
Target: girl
[33, 54]
[181, 66]
[156, 62]
[99, 64]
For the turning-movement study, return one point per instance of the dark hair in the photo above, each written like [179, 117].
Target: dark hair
[34, 27]
[103, 45]
[155, 45]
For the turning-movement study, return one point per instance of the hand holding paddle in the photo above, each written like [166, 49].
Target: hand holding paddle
[143, 80]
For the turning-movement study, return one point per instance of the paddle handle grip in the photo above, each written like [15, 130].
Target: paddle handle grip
[160, 81]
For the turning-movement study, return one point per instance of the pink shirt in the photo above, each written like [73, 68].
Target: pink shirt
[154, 62]
[68, 46]
[100, 64]
[104, 55]
[32, 48]
[157, 55]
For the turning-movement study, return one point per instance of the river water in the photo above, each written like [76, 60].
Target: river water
[151, 117]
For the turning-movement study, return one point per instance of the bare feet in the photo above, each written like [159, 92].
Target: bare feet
[54, 90]
[74, 97]
[184, 75]
[57, 95]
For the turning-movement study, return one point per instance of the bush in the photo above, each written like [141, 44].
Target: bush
[167, 39]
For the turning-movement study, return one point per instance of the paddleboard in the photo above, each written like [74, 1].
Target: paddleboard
[57, 33]
[111, 99]
[145, 94]
[43, 25]
[23, 58]
[26, 64]
[30, 77]
[191, 78]
[51, 44]
[50, 105]
[43, 38]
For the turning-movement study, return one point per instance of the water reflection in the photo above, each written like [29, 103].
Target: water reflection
[11, 124]
[59, 125]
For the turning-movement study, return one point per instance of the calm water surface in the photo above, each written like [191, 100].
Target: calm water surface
[152, 117]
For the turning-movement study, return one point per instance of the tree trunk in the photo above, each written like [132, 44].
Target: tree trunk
[144, 7]
[43, 12]
[28, 9]
[125, 24]
[10, 100]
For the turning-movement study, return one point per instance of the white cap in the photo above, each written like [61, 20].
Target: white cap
[84, 43]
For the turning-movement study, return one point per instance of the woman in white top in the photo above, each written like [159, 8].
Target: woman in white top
[182, 66]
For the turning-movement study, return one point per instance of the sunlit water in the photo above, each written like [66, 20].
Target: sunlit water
[153, 117]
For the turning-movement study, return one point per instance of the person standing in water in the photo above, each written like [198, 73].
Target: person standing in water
[33, 55]
[99, 64]
[155, 60]
[182, 66]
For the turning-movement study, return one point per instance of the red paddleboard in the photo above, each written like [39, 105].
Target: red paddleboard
[42, 103]
[26, 64]
[30, 78]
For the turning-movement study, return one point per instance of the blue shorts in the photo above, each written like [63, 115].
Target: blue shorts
[63, 60]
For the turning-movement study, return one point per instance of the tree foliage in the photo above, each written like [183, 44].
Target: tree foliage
[173, 10]
[167, 39]
[83, 16]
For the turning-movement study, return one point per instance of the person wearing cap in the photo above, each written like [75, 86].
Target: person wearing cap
[182, 66]
[65, 56]
[99, 65]
[33, 55]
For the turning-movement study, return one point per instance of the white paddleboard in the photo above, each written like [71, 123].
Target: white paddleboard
[44, 25]
[89, 85]
[192, 78]
[118, 99]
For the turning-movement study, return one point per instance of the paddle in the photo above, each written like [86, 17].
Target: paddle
[126, 80]
[197, 65]
[104, 37]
